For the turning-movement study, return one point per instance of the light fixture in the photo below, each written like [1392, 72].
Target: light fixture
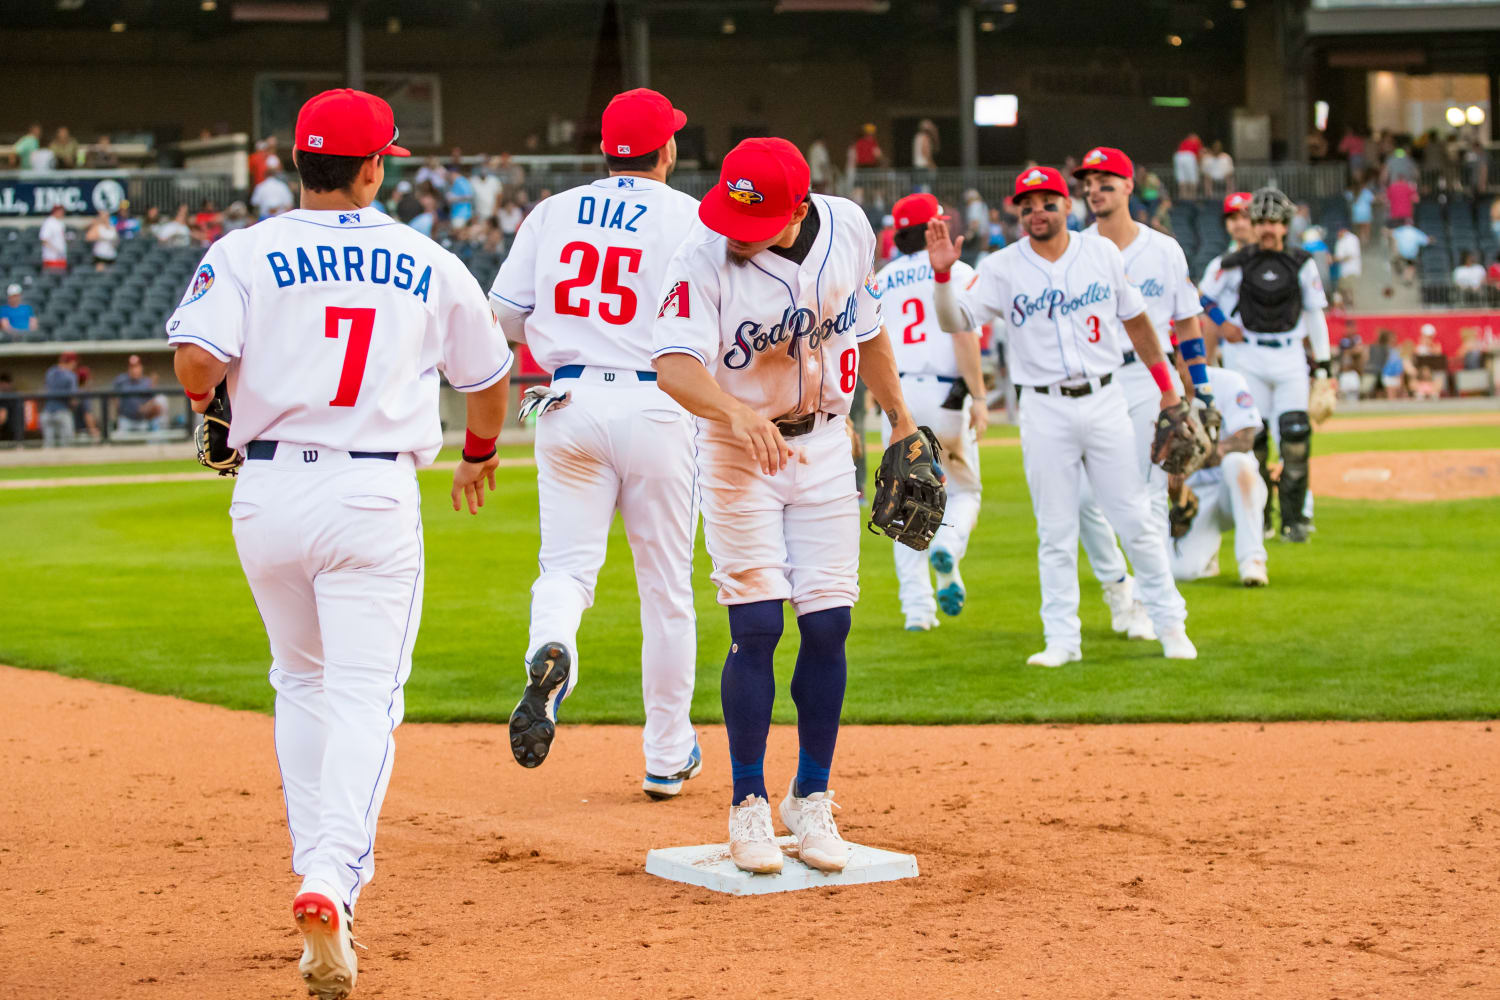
[1174, 40]
[1009, 7]
[1237, 4]
[117, 27]
[1455, 116]
[209, 5]
[986, 25]
[1320, 115]
[728, 26]
[69, 4]
[393, 25]
[1474, 115]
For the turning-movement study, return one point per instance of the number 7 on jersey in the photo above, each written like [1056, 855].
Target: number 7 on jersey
[361, 325]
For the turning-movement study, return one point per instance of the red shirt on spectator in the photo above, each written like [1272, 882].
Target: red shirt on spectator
[1401, 196]
[1493, 274]
[1192, 144]
[257, 163]
[888, 243]
[866, 151]
[209, 225]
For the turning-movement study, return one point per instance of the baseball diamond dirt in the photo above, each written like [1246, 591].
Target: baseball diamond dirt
[1156, 861]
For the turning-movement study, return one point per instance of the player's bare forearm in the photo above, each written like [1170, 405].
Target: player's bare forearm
[877, 366]
[484, 411]
[1148, 350]
[484, 416]
[199, 372]
[685, 379]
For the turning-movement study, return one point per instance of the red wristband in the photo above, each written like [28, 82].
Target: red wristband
[196, 397]
[942, 277]
[476, 445]
[1163, 380]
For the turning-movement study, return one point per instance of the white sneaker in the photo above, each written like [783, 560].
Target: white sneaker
[1120, 599]
[1053, 656]
[1175, 645]
[1253, 573]
[1140, 626]
[810, 819]
[920, 624]
[752, 838]
[328, 965]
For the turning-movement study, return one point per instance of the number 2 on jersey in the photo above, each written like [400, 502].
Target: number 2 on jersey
[609, 283]
[361, 326]
[911, 335]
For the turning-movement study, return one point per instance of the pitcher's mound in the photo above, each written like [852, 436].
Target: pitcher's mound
[1408, 475]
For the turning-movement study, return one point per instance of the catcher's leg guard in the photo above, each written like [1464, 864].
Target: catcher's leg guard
[1296, 450]
[1262, 450]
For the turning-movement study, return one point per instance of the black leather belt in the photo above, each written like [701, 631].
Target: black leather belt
[946, 380]
[797, 426]
[264, 451]
[1269, 341]
[1071, 391]
[1131, 359]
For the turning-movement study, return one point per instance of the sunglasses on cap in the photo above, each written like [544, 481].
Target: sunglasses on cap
[395, 134]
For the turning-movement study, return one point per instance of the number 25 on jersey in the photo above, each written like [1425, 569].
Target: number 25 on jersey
[616, 259]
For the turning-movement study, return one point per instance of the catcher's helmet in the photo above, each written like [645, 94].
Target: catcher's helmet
[1270, 205]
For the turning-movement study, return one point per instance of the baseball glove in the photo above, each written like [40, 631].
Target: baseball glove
[1184, 509]
[1180, 445]
[1209, 416]
[909, 495]
[212, 436]
[1321, 399]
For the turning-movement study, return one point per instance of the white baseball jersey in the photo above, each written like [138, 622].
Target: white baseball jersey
[1233, 400]
[587, 265]
[778, 336]
[339, 322]
[1157, 267]
[921, 346]
[1063, 318]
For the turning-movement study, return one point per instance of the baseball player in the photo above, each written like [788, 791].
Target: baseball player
[1064, 297]
[579, 288]
[1266, 299]
[1158, 269]
[942, 383]
[1240, 231]
[1226, 494]
[766, 310]
[331, 323]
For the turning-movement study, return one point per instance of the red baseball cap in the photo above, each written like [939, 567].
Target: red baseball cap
[1236, 202]
[348, 122]
[916, 210]
[761, 183]
[1106, 160]
[1039, 179]
[637, 122]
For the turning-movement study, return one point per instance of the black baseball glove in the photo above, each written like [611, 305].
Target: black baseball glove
[213, 436]
[1181, 444]
[909, 495]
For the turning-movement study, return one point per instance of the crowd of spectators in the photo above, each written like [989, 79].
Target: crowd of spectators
[63, 152]
[139, 406]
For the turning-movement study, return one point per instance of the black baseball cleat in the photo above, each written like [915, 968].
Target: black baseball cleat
[534, 721]
[1294, 532]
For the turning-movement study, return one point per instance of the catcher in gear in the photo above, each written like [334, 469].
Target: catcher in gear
[909, 494]
[212, 436]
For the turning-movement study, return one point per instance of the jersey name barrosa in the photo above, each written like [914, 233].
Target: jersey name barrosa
[380, 268]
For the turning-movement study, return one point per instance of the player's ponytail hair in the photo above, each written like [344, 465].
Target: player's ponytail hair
[912, 239]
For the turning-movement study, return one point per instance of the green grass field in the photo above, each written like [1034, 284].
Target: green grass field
[1388, 614]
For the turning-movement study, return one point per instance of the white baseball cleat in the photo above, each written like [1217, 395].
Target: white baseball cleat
[1120, 599]
[752, 838]
[328, 965]
[810, 818]
[1253, 573]
[1175, 645]
[920, 624]
[1053, 656]
[1140, 626]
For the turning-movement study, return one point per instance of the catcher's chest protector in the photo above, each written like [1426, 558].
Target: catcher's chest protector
[1270, 293]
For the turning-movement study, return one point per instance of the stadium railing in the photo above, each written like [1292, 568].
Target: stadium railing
[85, 192]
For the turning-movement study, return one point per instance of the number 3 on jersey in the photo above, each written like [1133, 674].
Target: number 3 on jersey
[1093, 324]
[609, 283]
[356, 351]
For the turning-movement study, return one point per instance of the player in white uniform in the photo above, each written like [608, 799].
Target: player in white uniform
[332, 323]
[1158, 269]
[765, 313]
[936, 368]
[1064, 298]
[1266, 300]
[579, 287]
[1241, 233]
[1230, 493]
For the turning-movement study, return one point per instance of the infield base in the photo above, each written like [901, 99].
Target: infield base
[708, 865]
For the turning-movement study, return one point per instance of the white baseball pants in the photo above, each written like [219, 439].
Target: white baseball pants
[1277, 377]
[332, 549]
[1065, 437]
[1231, 497]
[1144, 401]
[621, 444]
[924, 397]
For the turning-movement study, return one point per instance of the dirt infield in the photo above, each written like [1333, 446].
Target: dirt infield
[1410, 421]
[143, 853]
[1408, 475]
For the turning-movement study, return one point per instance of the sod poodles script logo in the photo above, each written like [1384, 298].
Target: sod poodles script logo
[202, 282]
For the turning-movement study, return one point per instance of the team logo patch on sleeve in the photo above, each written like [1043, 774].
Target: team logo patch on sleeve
[872, 285]
[202, 282]
[1245, 400]
[676, 302]
[744, 192]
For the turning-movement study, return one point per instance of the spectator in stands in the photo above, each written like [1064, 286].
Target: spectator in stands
[175, 232]
[103, 240]
[1469, 275]
[1431, 365]
[1474, 358]
[1218, 170]
[64, 149]
[408, 205]
[1351, 361]
[1401, 165]
[57, 413]
[236, 216]
[127, 225]
[1398, 369]
[426, 221]
[1380, 354]
[1401, 199]
[976, 219]
[864, 152]
[208, 223]
[1317, 145]
[17, 318]
[820, 165]
[12, 414]
[1361, 196]
[1495, 218]
[432, 172]
[84, 420]
[924, 145]
[143, 408]
[26, 146]
[1407, 242]
[151, 221]
[996, 239]
[1185, 165]
[1352, 149]
[259, 160]
[491, 240]
[885, 240]
[512, 174]
[272, 196]
[1492, 276]
[101, 156]
[54, 238]
[1348, 255]
[487, 187]
[1299, 225]
[460, 197]
[510, 217]
[1476, 163]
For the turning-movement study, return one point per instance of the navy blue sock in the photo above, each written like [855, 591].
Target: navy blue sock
[747, 690]
[818, 690]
